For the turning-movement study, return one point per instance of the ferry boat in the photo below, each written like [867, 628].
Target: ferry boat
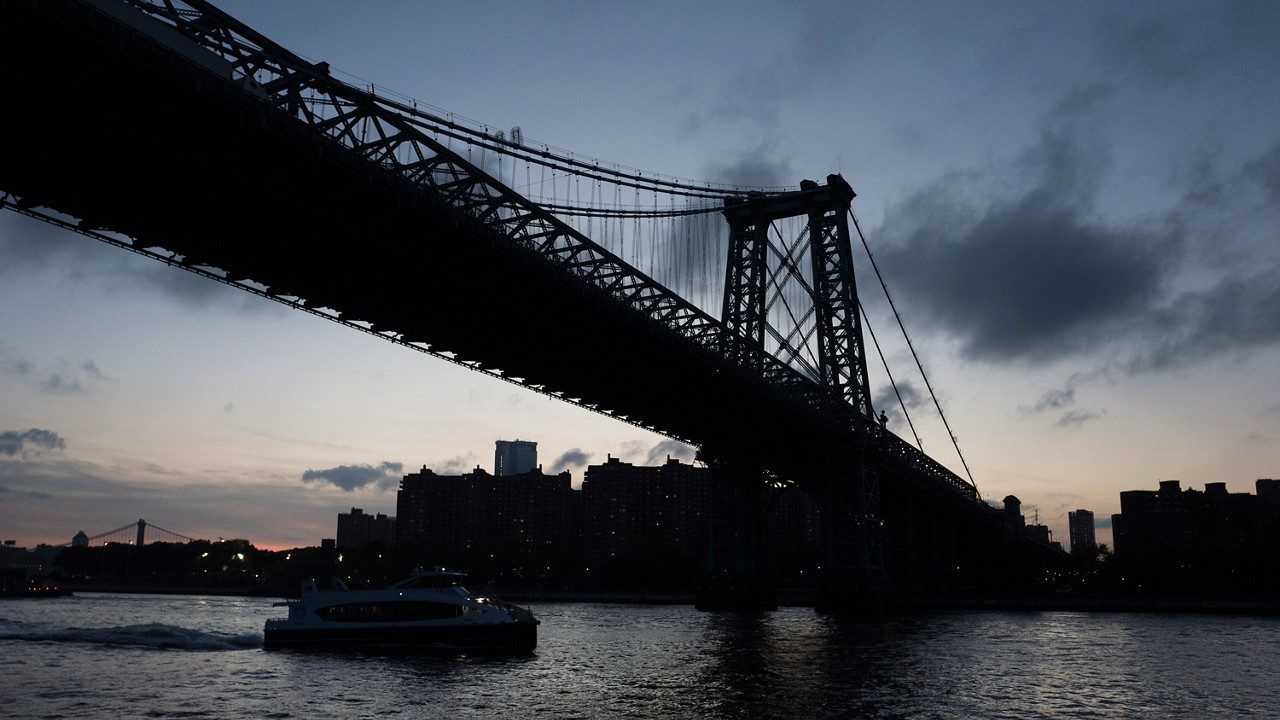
[430, 610]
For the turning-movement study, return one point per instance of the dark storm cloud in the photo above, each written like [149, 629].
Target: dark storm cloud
[659, 453]
[15, 442]
[357, 477]
[572, 458]
[1030, 278]
[1078, 417]
[1038, 277]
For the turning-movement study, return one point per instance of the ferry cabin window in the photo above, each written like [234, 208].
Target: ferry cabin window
[395, 611]
[435, 581]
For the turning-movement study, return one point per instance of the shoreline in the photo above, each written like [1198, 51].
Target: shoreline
[901, 606]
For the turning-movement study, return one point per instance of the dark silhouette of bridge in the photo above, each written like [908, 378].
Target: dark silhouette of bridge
[135, 534]
[727, 317]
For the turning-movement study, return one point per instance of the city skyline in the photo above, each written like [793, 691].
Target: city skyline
[159, 394]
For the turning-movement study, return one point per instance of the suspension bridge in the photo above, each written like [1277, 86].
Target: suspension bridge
[724, 316]
[137, 534]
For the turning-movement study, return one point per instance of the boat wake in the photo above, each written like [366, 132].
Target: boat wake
[154, 636]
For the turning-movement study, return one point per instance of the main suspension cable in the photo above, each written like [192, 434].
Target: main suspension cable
[607, 211]
[914, 354]
[867, 323]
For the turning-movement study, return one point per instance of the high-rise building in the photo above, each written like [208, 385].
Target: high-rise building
[1268, 488]
[632, 511]
[357, 528]
[526, 521]
[1081, 530]
[513, 457]
[1172, 522]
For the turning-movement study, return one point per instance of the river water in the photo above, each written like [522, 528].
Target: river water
[116, 656]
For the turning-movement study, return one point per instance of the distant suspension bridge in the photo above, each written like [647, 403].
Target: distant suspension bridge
[131, 534]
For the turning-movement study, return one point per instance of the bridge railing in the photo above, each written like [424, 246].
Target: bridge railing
[905, 457]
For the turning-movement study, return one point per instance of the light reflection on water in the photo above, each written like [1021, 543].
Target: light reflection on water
[169, 656]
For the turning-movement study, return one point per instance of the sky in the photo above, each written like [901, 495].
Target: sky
[1074, 204]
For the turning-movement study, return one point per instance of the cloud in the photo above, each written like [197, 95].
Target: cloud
[57, 377]
[16, 366]
[91, 369]
[1037, 276]
[1237, 313]
[1078, 417]
[659, 453]
[1031, 278]
[1060, 398]
[455, 465]
[1054, 399]
[349, 478]
[58, 384]
[887, 401]
[19, 442]
[572, 458]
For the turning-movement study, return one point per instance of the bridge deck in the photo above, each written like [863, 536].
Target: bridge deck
[128, 134]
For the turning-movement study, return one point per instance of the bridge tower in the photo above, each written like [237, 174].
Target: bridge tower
[845, 476]
[142, 531]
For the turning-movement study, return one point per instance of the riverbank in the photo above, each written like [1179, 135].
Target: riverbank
[801, 597]
[1076, 603]
[212, 592]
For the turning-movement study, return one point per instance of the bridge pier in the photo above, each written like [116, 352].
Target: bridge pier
[853, 578]
[736, 576]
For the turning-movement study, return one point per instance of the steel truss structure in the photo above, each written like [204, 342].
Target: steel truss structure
[409, 153]
[399, 142]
